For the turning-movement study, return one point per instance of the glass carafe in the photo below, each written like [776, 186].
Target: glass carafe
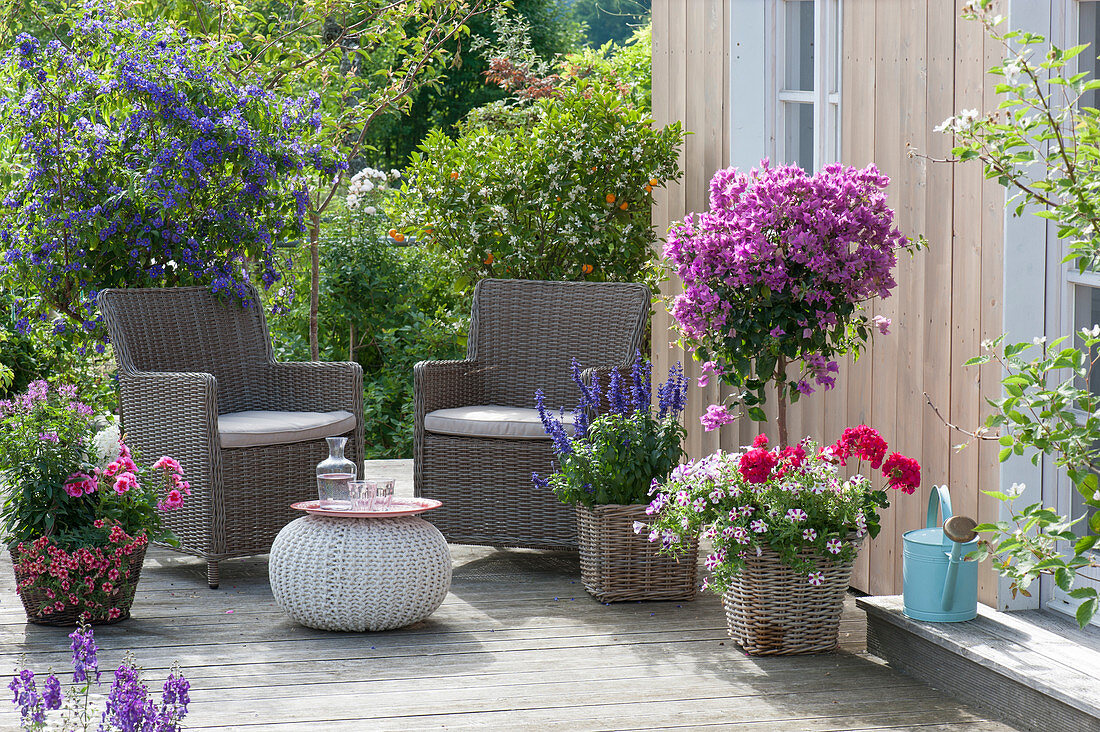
[334, 474]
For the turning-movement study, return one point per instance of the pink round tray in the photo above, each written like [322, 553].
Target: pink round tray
[399, 507]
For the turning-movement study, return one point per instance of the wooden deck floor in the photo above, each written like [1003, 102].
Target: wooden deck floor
[517, 645]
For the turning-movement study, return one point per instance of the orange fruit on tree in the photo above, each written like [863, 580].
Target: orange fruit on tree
[399, 237]
[392, 233]
[623, 205]
[489, 259]
[654, 182]
[610, 198]
[454, 175]
[586, 268]
[648, 188]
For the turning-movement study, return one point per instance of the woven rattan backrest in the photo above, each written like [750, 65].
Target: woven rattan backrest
[525, 333]
[190, 329]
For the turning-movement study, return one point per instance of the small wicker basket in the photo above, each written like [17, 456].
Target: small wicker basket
[34, 599]
[618, 565]
[771, 610]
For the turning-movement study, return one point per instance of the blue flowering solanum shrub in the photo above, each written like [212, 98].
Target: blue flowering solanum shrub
[133, 154]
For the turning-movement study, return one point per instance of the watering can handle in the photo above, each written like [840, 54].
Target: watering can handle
[943, 504]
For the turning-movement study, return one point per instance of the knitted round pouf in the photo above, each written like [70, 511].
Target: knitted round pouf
[359, 574]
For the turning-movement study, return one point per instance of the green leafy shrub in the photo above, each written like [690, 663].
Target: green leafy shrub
[383, 305]
[555, 184]
[36, 347]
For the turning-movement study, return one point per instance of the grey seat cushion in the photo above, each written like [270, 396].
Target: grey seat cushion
[513, 423]
[257, 429]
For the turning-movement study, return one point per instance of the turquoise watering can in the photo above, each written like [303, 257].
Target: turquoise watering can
[939, 585]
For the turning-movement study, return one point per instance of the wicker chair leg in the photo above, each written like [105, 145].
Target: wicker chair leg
[212, 573]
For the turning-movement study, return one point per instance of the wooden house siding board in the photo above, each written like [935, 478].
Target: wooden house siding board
[888, 157]
[691, 82]
[992, 324]
[860, 130]
[966, 272]
[661, 83]
[908, 327]
[936, 441]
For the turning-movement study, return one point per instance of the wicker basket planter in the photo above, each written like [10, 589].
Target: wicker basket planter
[35, 599]
[771, 610]
[618, 565]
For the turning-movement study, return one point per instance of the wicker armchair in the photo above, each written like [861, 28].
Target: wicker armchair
[198, 381]
[523, 336]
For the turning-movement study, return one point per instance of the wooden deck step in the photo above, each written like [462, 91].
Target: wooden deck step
[1034, 669]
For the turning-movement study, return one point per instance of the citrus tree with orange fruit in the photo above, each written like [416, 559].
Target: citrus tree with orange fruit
[560, 191]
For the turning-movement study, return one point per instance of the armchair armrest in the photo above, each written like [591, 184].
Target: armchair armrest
[445, 384]
[174, 413]
[317, 386]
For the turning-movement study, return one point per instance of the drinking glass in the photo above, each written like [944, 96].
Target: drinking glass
[383, 494]
[362, 494]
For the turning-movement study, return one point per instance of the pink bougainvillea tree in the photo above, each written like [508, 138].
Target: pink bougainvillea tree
[777, 276]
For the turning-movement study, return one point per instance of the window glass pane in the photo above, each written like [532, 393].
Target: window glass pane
[1086, 314]
[799, 62]
[834, 47]
[1088, 31]
[798, 134]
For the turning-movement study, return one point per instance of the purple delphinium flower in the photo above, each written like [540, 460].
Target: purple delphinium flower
[51, 692]
[173, 703]
[640, 384]
[128, 703]
[85, 663]
[27, 698]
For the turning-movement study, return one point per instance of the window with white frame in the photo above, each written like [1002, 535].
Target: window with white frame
[1084, 288]
[1080, 291]
[805, 82]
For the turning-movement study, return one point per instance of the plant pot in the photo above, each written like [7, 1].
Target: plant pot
[618, 565]
[41, 609]
[771, 610]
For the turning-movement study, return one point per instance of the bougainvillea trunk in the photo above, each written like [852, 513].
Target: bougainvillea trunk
[781, 400]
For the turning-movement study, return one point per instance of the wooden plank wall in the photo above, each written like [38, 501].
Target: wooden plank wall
[907, 65]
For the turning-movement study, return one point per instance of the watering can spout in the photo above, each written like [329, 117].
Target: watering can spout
[960, 530]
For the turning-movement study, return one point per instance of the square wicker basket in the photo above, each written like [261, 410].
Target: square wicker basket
[618, 565]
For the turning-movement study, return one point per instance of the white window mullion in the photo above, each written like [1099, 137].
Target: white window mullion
[822, 58]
